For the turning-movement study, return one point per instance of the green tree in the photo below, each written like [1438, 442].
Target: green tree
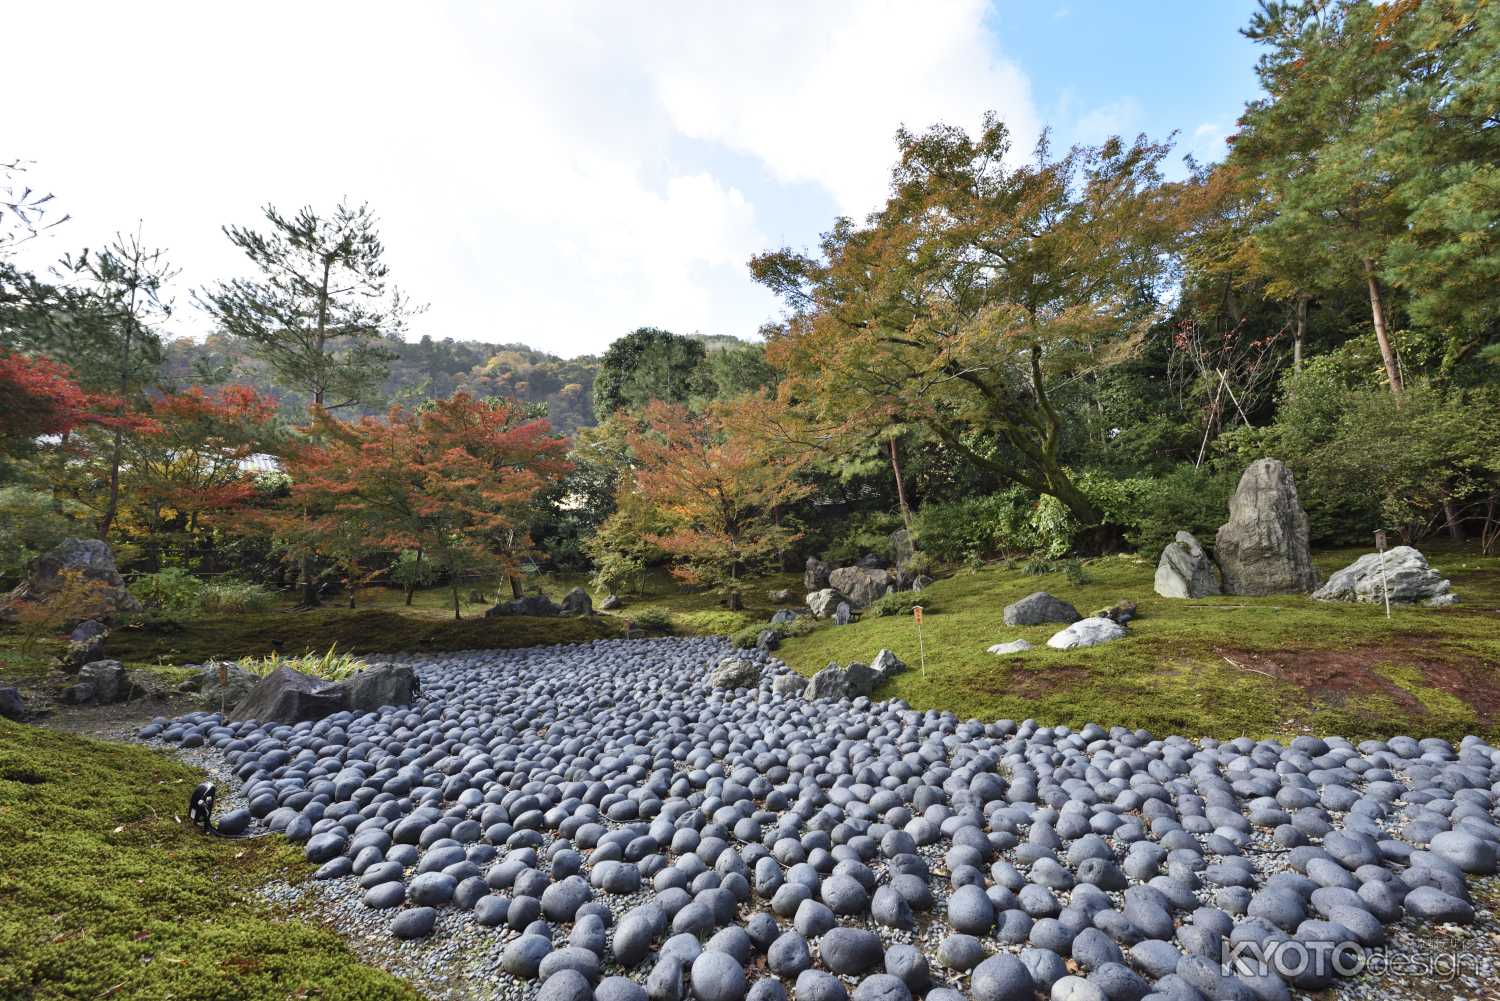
[1332, 72]
[650, 364]
[1441, 136]
[321, 306]
[108, 329]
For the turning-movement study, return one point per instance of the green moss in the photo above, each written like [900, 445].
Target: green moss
[107, 890]
[1221, 666]
[355, 631]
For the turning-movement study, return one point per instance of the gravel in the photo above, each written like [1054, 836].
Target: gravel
[563, 812]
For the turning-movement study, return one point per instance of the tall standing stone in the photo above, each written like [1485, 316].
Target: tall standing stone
[1262, 548]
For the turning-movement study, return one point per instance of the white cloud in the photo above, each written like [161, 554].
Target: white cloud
[556, 178]
[1120, 117]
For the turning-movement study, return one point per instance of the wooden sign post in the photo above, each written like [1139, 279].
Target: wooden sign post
[916, 613]
[1385, 584]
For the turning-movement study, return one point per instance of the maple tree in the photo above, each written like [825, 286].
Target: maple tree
[191, 463]
[976, 294]
[454, 480]
[38, 397]
[720, 486]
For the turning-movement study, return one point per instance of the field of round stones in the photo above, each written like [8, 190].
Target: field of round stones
[627, 831]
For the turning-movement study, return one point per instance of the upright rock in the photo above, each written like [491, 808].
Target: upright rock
[92, 559]
[1185, 570]
[1262, 548]
[577, 602]
[901, 546]
[1406, 573]
[815, 577]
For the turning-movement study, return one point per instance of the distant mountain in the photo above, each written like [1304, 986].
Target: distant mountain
[423, 369]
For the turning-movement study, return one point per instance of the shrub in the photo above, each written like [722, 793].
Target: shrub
[77, 598]
[655, 620]
[169, 590]
[330, 666]
[34, 523]
[229, 597]
[1076, 573]
[746, 638]
[897, 603]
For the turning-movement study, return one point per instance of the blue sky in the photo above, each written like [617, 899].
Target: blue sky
[560, 174]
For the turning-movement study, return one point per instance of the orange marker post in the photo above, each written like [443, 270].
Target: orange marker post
[916, 613]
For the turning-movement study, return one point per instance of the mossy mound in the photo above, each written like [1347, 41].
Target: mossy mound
[107, 890]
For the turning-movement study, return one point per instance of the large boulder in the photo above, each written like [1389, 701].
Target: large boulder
[824, 603]
[1406, 573]
[1087, 632]
[1262, 548]
[860, 679]
[577, 602]
[94, 561]
[861, 585]
[11, 706]
[734, 672]
[1037, 608]
[829, 683]
[1185, 570]
[815, 577]
[533, 604]
[381, 685]
[288, 696]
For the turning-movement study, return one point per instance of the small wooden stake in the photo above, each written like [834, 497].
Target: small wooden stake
[1385, 584]
[916, 613]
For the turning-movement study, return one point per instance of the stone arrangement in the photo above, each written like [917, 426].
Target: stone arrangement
[92, 560]
[631, 832]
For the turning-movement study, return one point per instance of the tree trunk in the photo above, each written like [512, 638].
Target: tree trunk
[1382, 333]
[1454, 523]
[456, 614]
[736, 603]
[900, 489]
[515, 586]
[309, 586]
[1299, 333]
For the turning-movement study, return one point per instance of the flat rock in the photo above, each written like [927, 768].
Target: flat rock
[1037, 608]
[1087, 632]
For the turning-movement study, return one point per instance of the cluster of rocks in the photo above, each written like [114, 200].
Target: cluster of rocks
[632, 833]
[101, 682]
[91, 560]
[1263, 549]
[834, 682]
[575, 602]
[1040, 608]
[838, 592]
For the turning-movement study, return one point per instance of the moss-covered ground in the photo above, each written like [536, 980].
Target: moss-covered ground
[107, 891]
[1217, 666]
